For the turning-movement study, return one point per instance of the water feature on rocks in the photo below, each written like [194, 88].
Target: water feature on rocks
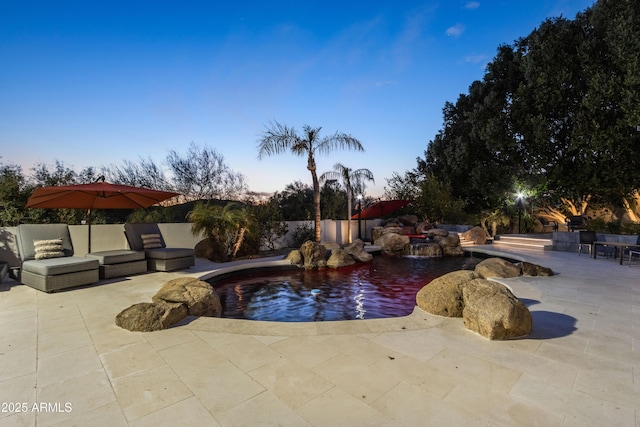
[421, 249]
[432, 243]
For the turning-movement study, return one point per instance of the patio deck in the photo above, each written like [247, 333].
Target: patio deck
[581, 366]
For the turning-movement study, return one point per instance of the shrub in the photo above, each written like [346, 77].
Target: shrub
[302, 233]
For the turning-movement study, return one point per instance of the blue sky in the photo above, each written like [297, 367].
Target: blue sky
[92, 83]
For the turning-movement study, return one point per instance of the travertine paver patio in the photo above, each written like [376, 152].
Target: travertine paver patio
[581, 365]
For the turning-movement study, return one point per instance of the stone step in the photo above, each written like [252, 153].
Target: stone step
[533, 242]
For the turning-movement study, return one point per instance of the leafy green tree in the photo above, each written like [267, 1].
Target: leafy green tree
[403, 187]
[437, 203]
[270, 222]
[333, 199]
[557, 110]
[351, 179]
[296, 201]
[431, 199]
[44, 175]
[14, 193]
[280, 138]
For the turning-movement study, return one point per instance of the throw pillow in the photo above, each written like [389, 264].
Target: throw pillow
[51, 248]
[151, 241]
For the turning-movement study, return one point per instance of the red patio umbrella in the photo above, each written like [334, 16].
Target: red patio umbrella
[381, 209]
[98, 195]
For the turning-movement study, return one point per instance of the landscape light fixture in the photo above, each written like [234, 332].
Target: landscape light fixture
[359, 197]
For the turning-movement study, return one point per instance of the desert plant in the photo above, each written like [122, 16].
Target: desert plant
[228, 224]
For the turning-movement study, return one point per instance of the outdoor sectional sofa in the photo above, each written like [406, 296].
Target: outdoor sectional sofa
[47, 261]
[148, 238]
[4, 271]
[119, 262]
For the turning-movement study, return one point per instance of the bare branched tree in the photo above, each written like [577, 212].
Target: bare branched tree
[146, 173]
[203, 174]
[200, 174]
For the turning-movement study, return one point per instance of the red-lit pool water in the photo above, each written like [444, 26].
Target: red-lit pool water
[386, 287]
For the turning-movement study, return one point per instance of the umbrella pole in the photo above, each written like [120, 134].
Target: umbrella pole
[89, 223]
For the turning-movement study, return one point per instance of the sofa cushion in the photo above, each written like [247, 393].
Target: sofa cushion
[134, 233]
[117, 256]
[50, 248]
[57, 266]
[169, 253]
[26, 234]
[151, 241]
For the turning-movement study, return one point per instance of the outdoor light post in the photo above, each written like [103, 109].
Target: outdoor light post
[519, 202]
[359, 197]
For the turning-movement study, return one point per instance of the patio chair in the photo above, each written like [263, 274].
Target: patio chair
[47, 261]
[548, 224]
[633, 252]
[586, 238]
[148, 238]
[576, 222]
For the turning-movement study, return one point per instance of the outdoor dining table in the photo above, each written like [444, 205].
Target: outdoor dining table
[615, 245]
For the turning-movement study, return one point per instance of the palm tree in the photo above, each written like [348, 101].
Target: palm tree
[228, 224]
[351, 179]
[280, 138]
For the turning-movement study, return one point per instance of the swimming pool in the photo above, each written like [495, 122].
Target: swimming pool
[385, 287]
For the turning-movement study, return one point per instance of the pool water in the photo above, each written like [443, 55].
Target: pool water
[385, 287]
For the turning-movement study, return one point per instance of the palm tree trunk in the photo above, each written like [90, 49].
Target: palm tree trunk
[316, 198]
[239, 240]
[349, 215]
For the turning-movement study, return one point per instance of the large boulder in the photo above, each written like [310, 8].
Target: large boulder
[529, 269]
[450, 240]
[436, 233]
[148, 317]
[451, 245]
[331, 246]
[476, 235]
[340, 258]
[393, 244]
[379, 231]
[314, 255]
[491, 310]
[211, 249]
[295, 257]
[407, 229]
[198, 297]
[356, 250]
[421, 227]
[443, 296]
[496, 267]
[408, 220]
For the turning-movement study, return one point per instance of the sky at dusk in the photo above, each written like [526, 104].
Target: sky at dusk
[92, 83]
